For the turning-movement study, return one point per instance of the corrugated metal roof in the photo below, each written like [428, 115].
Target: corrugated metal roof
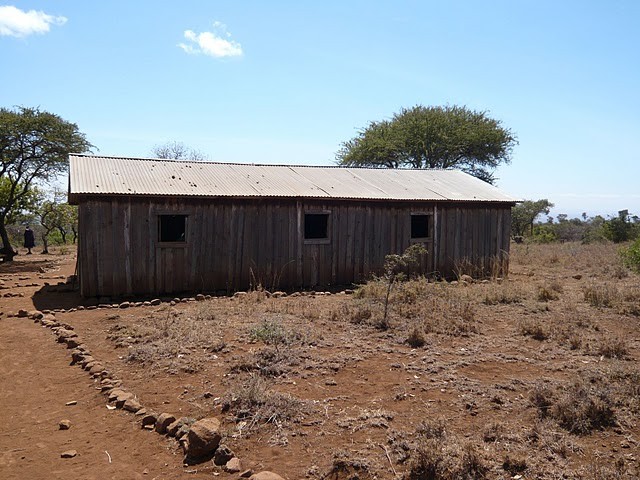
[96, 175]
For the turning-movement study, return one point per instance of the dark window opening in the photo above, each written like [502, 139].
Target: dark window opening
[172, 228]
[419, 226]
[316, 226]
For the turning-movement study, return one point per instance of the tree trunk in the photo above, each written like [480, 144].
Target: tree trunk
[45, 243]
[7, 250]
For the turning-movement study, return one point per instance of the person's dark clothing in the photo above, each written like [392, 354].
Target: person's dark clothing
[29, 239]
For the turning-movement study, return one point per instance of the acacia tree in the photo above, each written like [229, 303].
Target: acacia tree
[34, 147]
[177, 151]
[524, 214]
[432, 137]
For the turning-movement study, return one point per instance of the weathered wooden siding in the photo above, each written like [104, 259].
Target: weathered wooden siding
[235, 244]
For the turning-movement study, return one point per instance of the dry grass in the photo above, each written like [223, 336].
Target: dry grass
[438, 454]
[254, 404]
[472, 352]
[579, 408]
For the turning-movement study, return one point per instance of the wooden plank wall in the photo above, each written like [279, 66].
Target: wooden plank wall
[474, 237]
[234, 245]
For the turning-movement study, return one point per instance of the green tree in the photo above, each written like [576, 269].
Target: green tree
[620, 229]
[24, 204]
[525, 213]
[432, 137]
[34, 147]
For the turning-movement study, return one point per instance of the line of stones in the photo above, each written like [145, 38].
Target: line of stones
[199, 439]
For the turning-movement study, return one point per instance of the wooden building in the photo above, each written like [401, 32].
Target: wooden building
[152, 227]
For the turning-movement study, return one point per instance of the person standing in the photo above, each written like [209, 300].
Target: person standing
[29, 239]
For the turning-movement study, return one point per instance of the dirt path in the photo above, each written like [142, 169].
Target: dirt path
[36, 382]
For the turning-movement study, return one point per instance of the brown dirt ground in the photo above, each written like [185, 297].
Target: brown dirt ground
[334, 395]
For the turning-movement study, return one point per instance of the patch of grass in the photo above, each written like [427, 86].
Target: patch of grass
[580, 408]
[545, 437]
[433, 459]
[549, 291]
[602, 295]
[505, 294]
[254, 403]
[416, 338]
[271, 332]
[168, 341]
[450, 316]
[514, 465]
[534, 329]
[349, 466]
[613, 347]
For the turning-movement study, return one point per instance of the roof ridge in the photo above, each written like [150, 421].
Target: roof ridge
[212, 162]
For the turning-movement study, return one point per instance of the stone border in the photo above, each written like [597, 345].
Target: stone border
[200, 440]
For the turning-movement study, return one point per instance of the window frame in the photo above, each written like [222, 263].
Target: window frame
[429, 219]
[316, 241]
[168, 244]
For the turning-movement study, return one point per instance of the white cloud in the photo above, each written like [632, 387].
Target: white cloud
[216, 43]
[18, 23]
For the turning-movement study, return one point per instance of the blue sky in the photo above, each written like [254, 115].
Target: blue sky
[288, 81]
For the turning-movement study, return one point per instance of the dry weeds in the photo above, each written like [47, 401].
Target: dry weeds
[534, 374]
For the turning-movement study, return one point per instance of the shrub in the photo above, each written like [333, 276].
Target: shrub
[346, 465]
[580, 408]
[534, 329]
[613, 348]
[254, 402]
[583, 408]
[631, 256]
[600, 295]
[546, 293]
[514, 465]
[271, 332]
[449, 460]
[416, 337]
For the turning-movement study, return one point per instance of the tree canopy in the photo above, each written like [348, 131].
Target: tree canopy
[524, 214]
[34, 147]
[177, 151]
[432, 137]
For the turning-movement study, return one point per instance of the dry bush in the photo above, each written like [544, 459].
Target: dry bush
[446, 459]
[416, 338]
[505, 293]
[451, 317]
[566, 335]
[348, 466]
[549, 291]
[534, 329]
[436, 429]
[625, 379]
[494, 267]
[600, 295]
[254, 403]
[412, 291]
[580, 408]
[438, 454]
[583, 408]
[613, 347]
[546, 438]
[168, 339]
[271, 331]
[358, 313]
[514, 465]
[376, 288]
